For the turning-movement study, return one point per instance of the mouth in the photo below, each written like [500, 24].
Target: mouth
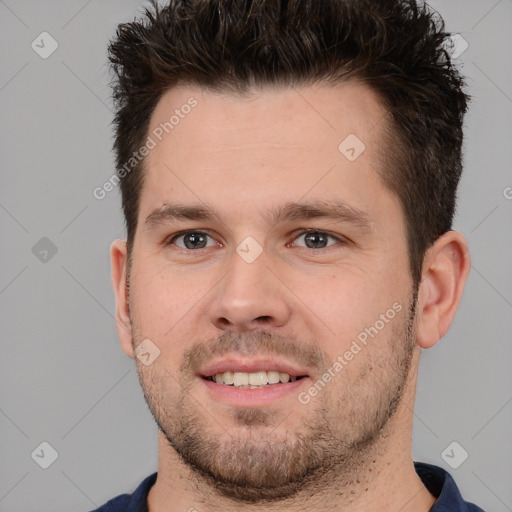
[256, 382]
[253, 380]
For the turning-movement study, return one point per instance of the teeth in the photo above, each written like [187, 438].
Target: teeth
[229, 377]
[252, 380]
[241, 379]
[258, 379]
[273, 377]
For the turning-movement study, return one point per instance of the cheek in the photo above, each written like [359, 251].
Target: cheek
[344, 305]
[161, 299]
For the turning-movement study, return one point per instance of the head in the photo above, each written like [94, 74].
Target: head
[313, 162]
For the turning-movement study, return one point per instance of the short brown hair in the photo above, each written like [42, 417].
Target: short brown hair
[397, 47]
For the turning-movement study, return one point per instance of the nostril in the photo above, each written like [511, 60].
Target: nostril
[224, 322]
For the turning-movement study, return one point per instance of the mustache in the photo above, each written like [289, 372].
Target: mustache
[254, 343]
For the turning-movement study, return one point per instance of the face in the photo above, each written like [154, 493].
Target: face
[265, 243]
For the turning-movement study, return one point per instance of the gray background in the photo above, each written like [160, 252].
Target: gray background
[63, 376]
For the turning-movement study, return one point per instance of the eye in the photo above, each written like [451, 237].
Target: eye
[191, 240]
[315, 239]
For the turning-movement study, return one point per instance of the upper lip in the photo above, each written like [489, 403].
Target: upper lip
[237, 364]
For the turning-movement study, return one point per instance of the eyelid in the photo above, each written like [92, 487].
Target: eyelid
[170, 239]
[342, 240]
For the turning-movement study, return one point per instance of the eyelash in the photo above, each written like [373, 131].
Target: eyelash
[339, 239]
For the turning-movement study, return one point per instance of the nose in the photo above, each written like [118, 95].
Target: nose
[250, 297]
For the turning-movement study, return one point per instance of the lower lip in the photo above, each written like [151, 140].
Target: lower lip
[240, 397]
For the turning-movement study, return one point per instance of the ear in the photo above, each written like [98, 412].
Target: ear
[118, 262]
[445, 269]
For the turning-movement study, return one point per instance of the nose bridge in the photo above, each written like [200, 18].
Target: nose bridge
[249, 295]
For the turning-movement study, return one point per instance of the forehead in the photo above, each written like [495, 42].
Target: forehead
[225, 120]
[275, 143]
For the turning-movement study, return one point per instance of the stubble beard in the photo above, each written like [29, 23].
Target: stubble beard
[255, 461]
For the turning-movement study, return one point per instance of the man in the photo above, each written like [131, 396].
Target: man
[288, 174]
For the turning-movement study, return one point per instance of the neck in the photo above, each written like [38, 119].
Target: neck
[386, 480]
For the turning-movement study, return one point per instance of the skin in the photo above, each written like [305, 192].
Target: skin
[350, 447]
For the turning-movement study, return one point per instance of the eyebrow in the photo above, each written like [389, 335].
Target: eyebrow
[172, 212]
[335, 210]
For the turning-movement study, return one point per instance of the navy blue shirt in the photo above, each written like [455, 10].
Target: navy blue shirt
[439, 483]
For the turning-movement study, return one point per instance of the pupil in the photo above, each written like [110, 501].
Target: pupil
[194, 241]
[315, 240]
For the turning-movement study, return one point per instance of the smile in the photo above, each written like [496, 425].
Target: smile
[252, 380]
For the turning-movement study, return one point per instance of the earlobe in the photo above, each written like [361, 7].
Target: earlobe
[445, 269]
[118, 261]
